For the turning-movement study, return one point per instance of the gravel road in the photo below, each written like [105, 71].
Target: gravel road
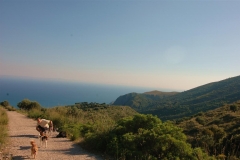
[22, 130]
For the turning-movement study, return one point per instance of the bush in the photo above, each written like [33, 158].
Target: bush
[7, 106]
[35, 113]
[201, 120]
[26, 104]
[142, 137]
[5, 103]
[233, 107]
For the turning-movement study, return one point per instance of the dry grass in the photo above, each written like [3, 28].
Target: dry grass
[3, 127]
[3, 130]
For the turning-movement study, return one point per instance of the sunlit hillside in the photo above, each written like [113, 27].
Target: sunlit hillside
[187, 103]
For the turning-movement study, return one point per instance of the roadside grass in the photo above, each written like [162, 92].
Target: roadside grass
[3, 127]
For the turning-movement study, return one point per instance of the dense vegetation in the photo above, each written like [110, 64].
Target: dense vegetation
[216, 131]
[187, 103]
[118, 132]
[146, 137]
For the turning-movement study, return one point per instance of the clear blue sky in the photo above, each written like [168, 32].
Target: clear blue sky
[168, 44]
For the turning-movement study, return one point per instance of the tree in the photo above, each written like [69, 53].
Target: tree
[233, 108]
[26, 104]
[5, 103]
[201, 120]
[34, 105]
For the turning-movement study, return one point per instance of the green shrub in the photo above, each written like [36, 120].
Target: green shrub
[10, 108]
[26, 104]
[201, 120]
[141, 137]
[35, 113]
[5, 103]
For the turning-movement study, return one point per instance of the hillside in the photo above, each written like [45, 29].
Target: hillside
[216, 131]
[224, 117]
[142, 101]
[169, 107]
[92, 112]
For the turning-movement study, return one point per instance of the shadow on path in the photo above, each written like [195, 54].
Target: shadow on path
[20, 157]
[25, 147]
[28, 136]
[72, 151]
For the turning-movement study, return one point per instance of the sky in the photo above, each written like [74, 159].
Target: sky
[169, 44]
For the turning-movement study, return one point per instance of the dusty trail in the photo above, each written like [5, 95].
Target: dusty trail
[22, 130]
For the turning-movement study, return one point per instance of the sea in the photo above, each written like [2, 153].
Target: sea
[52, 93]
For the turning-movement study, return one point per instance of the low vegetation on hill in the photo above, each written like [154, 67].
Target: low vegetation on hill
[143, 101]
[118, 132]
[187, 103]
[216, 131]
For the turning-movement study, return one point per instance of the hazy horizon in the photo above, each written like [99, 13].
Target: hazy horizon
[176, 45]
[53, 80]
[50, 93]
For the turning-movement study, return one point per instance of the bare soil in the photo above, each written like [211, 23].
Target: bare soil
[22, 130]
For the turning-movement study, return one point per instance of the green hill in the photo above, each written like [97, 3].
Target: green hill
[177, 105]
[217, 131]
[143, 101]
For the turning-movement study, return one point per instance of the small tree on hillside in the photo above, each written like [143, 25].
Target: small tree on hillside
[5, 103]
[26, 104]
[233, 108]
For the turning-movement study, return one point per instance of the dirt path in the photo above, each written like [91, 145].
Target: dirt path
[22, 130]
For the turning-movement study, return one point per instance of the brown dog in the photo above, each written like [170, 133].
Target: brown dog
[34, 149]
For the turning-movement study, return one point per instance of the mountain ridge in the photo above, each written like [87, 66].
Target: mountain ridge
[186, 103]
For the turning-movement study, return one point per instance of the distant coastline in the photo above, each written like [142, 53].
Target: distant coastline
[50, 93]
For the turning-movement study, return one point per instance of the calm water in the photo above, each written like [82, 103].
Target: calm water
[56, 93]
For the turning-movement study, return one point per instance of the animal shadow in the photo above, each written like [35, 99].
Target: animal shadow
[24, 147]
[25, 135]
[19, 157]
